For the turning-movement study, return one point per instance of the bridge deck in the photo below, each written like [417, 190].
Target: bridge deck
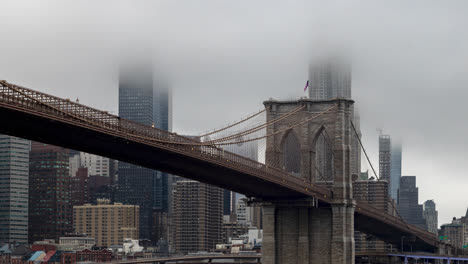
[36, 116]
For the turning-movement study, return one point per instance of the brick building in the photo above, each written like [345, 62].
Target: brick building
[374, 193]
[79, 187]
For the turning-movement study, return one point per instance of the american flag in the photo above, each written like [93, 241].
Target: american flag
[307, 85]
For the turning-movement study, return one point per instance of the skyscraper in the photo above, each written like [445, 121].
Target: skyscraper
[395, 170]
[145, 100]
[162, 119]
[136, 184]
[50, 211]
[431, 215]
[14, 182]
[329, 78]
[408, 204]
[390, 164]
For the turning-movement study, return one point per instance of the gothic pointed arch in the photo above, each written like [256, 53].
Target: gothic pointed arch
[291, 148]
[323, 149]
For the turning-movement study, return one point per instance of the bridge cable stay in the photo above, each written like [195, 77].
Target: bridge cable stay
[376, 175]
[364, 150]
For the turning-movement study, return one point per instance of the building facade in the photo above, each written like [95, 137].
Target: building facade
[50, 210]
[14, 188]
[197, 216]
[96, 165]
[408, 203]
[79, 187]
[374, 193]
[431, 215]
[108, 223]
[454, 233]
[385, 147]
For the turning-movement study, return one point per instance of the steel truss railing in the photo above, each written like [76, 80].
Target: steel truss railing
[71, 112]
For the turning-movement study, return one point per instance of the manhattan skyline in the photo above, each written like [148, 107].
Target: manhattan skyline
[396, 85]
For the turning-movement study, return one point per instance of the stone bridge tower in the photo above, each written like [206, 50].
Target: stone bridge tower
[299, 231]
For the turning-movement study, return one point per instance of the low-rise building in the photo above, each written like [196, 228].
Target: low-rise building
[131, 246]
[454, 233]
[76, 243]
[108, 223]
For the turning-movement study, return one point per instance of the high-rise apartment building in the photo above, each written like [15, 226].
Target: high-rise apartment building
[108, 223]
[197, 216]
[14, 188]
[408, 203]
[96, 165]
[431, 215]
[50, 210]
[138, 96]
[395, 169]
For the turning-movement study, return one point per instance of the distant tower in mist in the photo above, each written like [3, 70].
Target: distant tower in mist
[145, 98]
[390, 164]
[395, 169]
[329, 78]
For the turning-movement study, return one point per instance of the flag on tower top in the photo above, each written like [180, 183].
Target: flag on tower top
[307, 85]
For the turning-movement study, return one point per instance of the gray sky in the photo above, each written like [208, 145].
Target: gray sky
[410, 65]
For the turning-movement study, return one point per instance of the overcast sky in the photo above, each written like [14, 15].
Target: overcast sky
[223, 58]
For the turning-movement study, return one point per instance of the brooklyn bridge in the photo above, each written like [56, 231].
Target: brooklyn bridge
[304, 182]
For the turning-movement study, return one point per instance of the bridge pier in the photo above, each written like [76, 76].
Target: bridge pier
[300, 233]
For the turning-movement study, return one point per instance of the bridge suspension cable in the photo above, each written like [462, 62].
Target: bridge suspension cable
[282, 130]
[235, 124]
[257, 128]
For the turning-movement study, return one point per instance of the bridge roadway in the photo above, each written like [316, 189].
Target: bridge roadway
[40, 117]
[218, 259]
